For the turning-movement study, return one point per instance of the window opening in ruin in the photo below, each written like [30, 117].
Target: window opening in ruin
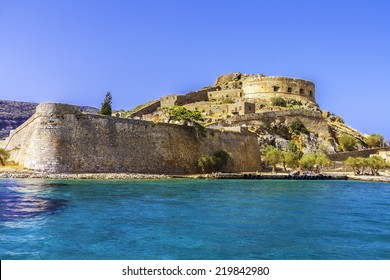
[311, 93]
[276, 88]
[289, 90]
[301, 91]
[250, 108]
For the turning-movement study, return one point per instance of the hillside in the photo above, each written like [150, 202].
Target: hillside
[14, 113]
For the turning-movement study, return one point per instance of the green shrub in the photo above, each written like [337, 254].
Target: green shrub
[374, 140]
[4, 156]
[297, 127]
[278, 101]
[227, 100]
[307, 161]
[347, 142]
[215, 162]
[322, 160]
[222, 157]
[206, 163]
[291, 146]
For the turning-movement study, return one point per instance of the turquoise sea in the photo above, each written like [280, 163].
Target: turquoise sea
[194, 219]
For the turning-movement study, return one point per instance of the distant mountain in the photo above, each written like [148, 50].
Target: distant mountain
[14, 113]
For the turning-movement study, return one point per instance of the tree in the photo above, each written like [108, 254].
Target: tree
[4, 156]
[272, 156]
[290, 160]
[347, 142]
[185, 116]
[361, 163]
[374, 140]
[182, 114]
[278, 101]
[353, 163]
[307, 161]
[106, 105]
[357, 164]
[375, 163]
[322, 160]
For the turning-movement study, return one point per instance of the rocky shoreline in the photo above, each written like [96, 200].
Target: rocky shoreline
[369, 178]
[83, 176]
[26, 174]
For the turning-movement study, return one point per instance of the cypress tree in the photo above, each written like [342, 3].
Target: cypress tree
[106, 105]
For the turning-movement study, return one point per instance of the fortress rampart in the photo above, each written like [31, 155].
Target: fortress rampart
[311, 119]
[270, 86]
[58, 138]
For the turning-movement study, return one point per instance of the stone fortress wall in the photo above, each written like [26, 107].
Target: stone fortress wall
[58, 138]
[235, 88]
[260, 86]
[269, 86]
[312, 120]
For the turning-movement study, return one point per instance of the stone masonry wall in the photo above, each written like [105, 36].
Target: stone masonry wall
[147, 109]
[191, 97]
[312, 120]
[224, 94]
[361, 153]
[269, 86]
[58, 138]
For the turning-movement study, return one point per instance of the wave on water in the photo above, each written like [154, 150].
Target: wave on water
[23, 202]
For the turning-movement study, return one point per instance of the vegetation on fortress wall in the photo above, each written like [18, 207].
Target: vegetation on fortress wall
[4, 156]
[185, 116]
[347, 142]
[181, 114]
[297, 127]
[278, 101]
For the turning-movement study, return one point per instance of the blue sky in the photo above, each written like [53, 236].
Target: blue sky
[74, 51]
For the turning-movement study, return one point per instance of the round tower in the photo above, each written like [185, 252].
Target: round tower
[261, 86]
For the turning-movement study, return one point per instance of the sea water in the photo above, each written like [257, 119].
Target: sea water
[194, 219]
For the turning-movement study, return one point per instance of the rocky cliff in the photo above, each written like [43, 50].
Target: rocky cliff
[13, 114]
